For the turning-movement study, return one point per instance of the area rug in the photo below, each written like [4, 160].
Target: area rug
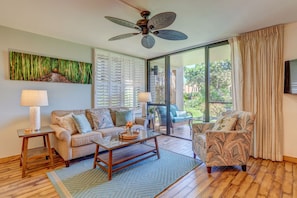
[147, 178]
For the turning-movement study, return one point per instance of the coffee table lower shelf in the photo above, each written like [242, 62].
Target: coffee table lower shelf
[108, 160]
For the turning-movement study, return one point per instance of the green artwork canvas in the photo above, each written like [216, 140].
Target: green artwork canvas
[31, 67]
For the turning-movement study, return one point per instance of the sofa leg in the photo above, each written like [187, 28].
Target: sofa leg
[209, 169]
[67, 163]
[243, 167]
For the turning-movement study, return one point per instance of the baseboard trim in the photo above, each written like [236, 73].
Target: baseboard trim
[290, 159]
[9, 159]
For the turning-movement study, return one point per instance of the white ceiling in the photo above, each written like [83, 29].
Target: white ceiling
[204, 21]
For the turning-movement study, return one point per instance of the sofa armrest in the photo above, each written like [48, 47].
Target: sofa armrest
[61, 133]
[202, 127]
[141, 121]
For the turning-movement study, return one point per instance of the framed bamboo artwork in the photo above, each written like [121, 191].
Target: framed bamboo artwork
[31, 67]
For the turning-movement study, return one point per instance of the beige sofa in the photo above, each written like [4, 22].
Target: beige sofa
[70, 143]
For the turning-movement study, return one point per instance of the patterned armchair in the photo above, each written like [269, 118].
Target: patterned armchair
[222, 147]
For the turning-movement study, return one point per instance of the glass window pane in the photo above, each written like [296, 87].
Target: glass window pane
[157, 80]
[194, 82]
[220, 74]
[216, 110]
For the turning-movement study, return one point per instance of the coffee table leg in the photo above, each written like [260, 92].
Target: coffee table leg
[157, 147]
[95, 156]
[109, 164]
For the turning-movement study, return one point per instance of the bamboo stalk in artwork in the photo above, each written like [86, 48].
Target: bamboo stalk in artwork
[40, 68]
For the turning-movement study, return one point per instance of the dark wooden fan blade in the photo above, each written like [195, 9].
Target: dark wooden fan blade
[170, 35]
[148, 41]
[123, 22]
[122, 36]
[161, 20]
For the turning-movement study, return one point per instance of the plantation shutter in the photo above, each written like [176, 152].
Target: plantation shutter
[118, 79]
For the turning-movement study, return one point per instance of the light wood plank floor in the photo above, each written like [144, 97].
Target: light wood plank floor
[263, 178]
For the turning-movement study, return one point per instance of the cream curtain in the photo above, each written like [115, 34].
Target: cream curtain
[237, 79]
[261, 54]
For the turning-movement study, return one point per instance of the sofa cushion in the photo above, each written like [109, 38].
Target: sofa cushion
[120, 109]
[122, 117]
[101, 118]
[82, 124]
[60, 113]
[81, 139]
[67, 123]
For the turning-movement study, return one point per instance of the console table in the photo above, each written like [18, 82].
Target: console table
[31, 159]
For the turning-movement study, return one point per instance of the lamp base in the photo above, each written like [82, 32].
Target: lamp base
[35, 118]
[144, 108]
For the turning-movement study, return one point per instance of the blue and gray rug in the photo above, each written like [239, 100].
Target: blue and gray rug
[144, 179]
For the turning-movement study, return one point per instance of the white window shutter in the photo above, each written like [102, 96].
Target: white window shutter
[118, 79]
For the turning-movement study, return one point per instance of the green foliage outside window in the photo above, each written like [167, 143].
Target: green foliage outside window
[220, 98]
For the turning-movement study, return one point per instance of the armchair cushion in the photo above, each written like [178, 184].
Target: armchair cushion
[181, 113]
[225, 124]
[180, 119]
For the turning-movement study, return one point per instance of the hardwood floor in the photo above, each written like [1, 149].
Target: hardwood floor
[263, 178]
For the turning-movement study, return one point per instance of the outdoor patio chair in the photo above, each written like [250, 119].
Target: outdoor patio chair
[177, 117]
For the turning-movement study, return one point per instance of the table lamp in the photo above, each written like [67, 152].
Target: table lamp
[144, 98]
[34, 99]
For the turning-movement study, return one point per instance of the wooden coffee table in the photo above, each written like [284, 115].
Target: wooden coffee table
[119, 151]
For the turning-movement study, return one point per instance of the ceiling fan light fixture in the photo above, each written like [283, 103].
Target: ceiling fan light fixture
[148, 41]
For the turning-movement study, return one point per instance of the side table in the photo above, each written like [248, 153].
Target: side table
[33, 158]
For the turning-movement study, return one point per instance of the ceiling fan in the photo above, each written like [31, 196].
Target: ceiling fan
[146, 26]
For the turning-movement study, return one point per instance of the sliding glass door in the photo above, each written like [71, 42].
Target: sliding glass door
[158, 85]
[196, 81]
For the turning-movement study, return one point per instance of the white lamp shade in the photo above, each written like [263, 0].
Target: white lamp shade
[145, 97]
[34, 98]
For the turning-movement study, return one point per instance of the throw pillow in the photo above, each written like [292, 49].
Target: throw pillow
[101, 118]
[120, 109]
[67, 123]
[225, 124]
[122, 117]
[82, 123]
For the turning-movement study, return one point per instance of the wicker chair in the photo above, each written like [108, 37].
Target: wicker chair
[224, 148]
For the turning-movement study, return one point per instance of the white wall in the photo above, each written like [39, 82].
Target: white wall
[290, 101]
[60, 95]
